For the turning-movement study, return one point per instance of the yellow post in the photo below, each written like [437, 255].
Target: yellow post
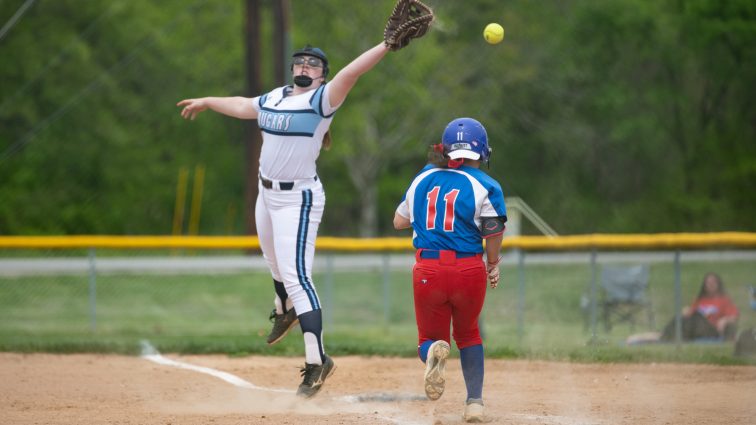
[194, 214]
[178, 210]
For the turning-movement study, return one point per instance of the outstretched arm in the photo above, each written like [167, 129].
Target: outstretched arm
[345, 79]
[237, 107]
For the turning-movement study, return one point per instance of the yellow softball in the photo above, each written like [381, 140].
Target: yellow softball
[493, 33]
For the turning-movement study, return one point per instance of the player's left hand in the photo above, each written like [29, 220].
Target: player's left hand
[410, 19]
[493, 274]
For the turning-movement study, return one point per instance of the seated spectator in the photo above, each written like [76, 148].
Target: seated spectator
[712, 314]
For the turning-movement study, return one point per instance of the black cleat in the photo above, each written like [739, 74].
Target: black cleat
[282, 324]
[314, 377]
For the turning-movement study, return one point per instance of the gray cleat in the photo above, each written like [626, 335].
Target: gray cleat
[474, 411]
[434, 369]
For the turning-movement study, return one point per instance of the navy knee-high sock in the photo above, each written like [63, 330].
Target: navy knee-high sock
[282, 295]
[472, 369]
[312, 323]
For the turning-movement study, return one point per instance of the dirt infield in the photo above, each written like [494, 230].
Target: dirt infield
[108, 389]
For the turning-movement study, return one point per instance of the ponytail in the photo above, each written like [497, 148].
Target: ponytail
[436, 156]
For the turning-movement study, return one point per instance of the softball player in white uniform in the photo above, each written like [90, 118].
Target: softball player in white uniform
[294, 121]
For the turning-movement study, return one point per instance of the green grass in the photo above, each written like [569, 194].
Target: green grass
[227, 313]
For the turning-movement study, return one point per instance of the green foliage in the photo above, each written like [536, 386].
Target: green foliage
[611, 116]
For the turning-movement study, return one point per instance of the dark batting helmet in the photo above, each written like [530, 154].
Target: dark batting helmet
[316, 52]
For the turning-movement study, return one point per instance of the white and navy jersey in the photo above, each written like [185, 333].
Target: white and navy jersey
[445, 207]
[292, 128]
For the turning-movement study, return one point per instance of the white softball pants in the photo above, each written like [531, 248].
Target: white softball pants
[287, 225]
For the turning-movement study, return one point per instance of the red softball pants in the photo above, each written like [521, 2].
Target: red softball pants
[449, 292]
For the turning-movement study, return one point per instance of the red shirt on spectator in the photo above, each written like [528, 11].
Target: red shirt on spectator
[715, 307]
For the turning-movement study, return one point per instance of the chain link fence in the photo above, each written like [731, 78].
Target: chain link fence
[544, 301]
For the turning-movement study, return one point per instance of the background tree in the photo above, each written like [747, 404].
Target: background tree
[612, 116]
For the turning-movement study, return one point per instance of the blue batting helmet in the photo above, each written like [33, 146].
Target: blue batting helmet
[466, 138]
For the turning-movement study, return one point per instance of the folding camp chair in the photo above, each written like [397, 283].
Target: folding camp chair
[624, 295]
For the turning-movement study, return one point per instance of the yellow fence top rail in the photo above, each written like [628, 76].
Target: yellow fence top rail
[663, 241]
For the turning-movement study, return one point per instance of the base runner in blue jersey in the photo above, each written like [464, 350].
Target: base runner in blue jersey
[295, 121]
[452, 205]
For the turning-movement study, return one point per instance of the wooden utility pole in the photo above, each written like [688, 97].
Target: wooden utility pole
[252, 136]
[281, 40]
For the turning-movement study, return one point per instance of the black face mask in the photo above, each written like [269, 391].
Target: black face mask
[302, 81]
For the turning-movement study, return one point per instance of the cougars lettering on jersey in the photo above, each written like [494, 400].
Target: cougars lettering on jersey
[438, 196]
[274, 122]
[293, 128]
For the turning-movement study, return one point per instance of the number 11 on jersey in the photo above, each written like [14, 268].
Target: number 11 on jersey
[449, 200]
